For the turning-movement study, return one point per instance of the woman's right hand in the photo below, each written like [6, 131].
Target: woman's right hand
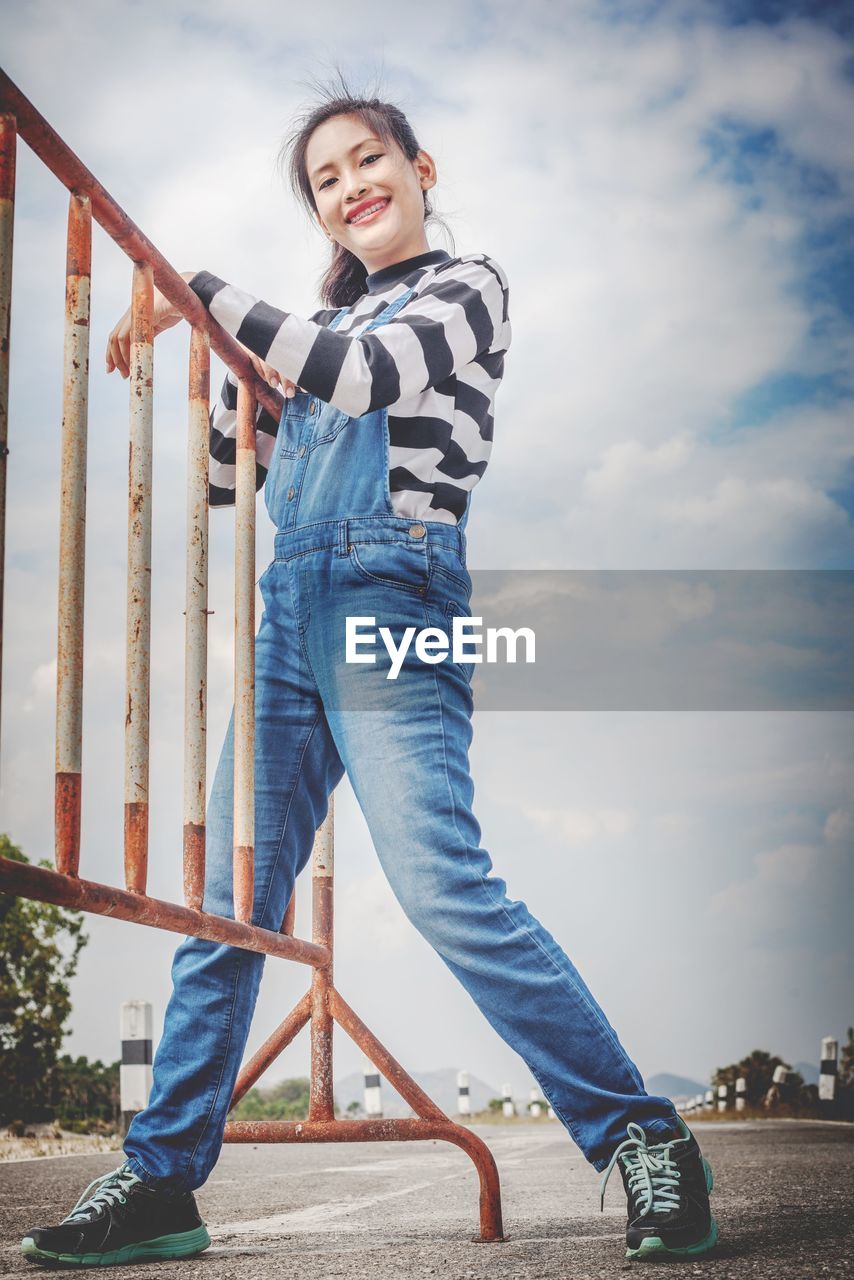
[164, 316]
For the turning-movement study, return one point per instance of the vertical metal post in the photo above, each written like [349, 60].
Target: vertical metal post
[244, 657]
[139, 580]
[321, 1106]
[196, 622]
[72, 538]
[8, 138]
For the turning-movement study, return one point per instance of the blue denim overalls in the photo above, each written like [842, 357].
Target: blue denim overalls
[341, 551]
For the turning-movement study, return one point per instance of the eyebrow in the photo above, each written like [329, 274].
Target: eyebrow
[331, 163]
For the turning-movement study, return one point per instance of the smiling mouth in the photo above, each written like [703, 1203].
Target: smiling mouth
[370, 214]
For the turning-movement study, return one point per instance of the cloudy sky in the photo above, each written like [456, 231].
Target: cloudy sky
[669, 189]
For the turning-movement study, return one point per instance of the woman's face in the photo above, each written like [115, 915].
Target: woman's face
[349, 169]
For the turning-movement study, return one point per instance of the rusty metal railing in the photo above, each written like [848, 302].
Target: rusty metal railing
[322, 1005]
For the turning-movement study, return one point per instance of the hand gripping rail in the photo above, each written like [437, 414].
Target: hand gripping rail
[322, 1005]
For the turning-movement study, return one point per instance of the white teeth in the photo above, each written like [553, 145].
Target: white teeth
[365, 212]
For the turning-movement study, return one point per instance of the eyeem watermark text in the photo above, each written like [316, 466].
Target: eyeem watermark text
[432, 644]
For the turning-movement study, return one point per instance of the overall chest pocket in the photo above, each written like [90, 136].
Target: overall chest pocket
[404, 566]
[307, 422]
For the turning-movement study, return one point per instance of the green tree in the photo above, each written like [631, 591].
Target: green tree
[86, 1095]
[39, 949]
[287, 1100]
[758, 1070]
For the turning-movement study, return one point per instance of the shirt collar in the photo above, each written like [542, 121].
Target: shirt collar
[379, 280]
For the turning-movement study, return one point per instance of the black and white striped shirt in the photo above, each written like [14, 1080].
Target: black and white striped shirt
[436, 366]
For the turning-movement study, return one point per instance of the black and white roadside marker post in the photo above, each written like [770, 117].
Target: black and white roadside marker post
[740, 1093]
[373, 1094]
[536, 1105]
[135, 1070]
[827, 1074]
[507, 1107]
[463, 1099]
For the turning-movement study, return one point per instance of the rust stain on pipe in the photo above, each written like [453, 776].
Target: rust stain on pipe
[244, 656]
[392, 1130]
[71, 171]
[72, 537]
[139, 580]
[45, 885]
[196, 621]
[382, 1059]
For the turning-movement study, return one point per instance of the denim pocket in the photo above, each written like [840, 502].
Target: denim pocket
[402, 565]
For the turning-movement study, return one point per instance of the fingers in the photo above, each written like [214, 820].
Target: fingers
[270, 375]
[118, 347]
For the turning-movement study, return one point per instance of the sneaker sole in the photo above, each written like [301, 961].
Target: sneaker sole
[184, 1244]
[654, 1246]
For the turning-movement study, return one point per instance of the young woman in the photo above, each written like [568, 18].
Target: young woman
[387, 429]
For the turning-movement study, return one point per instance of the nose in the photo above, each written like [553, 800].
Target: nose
[355, 190]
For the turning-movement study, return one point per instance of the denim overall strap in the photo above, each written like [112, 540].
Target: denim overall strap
[329, 468]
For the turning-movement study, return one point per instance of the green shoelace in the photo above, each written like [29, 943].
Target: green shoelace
[653, 1181]
[111, 1188]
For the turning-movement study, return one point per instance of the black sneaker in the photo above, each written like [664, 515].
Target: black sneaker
[119, 1219]
[667, 1185]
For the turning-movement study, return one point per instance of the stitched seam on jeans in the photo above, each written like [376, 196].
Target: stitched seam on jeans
[207, 1121]
[577, 994]
[285, 821]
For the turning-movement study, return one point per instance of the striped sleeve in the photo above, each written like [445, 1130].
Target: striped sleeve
[460, 315]
[222, 459]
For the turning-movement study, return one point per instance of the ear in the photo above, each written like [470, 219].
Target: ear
[425, 170]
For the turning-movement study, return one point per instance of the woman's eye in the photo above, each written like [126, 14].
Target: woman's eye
[373, 156]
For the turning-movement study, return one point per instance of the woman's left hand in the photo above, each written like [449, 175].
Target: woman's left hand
[270, 375]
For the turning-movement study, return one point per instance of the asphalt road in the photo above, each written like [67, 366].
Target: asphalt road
[783, 1197]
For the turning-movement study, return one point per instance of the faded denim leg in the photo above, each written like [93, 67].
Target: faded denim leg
[175, 1142]
[405, 744]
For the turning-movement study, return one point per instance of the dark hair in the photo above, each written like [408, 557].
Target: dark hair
[343, 281]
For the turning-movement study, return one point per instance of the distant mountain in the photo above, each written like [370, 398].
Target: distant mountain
[808, 1070]
[673, 1087]
[441, 1086]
